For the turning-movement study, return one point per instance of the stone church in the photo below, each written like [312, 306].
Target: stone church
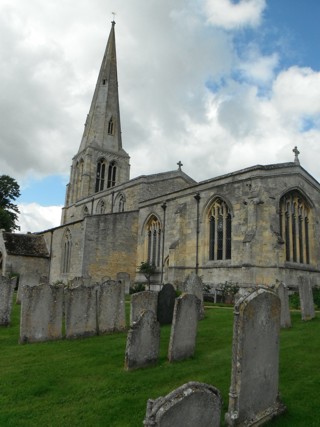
[258, 225]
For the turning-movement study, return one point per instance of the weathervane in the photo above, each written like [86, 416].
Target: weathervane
[114, 15]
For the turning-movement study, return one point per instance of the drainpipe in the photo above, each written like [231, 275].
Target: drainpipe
[197, 198]
[164, 207]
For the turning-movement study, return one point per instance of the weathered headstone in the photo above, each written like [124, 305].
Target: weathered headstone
[41, 313]
[306, 299]
[253, 396]
[282, 291]
[166, 300]
[125, 279]
[80, 310]
[6, 298]
[143, 342]
[184, 327]
[111, 307]
[145, 300]
[194, 285]
[191, 405]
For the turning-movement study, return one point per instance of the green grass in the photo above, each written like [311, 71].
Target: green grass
[83, 383]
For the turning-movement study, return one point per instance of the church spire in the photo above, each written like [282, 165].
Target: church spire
[102, 127]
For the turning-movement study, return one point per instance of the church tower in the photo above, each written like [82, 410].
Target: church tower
[101, 162]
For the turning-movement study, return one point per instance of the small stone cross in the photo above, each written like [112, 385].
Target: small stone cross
[179, 164]
[296, 154]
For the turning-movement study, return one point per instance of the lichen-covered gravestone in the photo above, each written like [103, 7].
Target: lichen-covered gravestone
[80, 310]
[282, 291]
[253, 396]
[146, 300]
[166, 300]
[6, 298]
[41, 313]
[184, 327]
[194, 285]
[192, 405]
[143, 342]
[111, 307]
[306, 299]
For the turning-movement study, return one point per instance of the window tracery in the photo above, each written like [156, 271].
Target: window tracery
[219, 231]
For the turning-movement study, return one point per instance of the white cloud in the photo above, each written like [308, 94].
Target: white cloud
[230, 15]
[34, 217]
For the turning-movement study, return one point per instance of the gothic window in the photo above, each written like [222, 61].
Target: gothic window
[112, 174]
[110, 127]
[66, 251]
[101, 207]
[100, 176]
[219, 231]
[294, 227]
[154, 241]
[85, 211]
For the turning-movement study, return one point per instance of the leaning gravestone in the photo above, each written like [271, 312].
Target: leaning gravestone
[194, 285]
[143, 342]
[166, 300]
[282, 291]
[191, 405]
[6, 298]
[306, 299]
[184, 327]
[146, 300]
[80, 310]
[41, 313]
[111, 307]
[253, 396]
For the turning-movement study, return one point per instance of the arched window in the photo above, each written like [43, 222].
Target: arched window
[154, 241]
[66, 251]
[100, 175]
[112, 174]
[110, 127]
[294, 227]
[101, 207]
[78, 180]
[219, 231]
[85, 211]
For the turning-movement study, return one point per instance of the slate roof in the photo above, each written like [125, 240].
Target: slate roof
[25, 245]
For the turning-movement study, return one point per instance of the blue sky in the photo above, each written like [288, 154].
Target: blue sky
[218, 84]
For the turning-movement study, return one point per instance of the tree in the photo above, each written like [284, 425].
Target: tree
[9, 191]
[147, 270]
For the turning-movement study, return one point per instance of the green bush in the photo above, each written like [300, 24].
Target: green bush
[294, 301]
[137, 287]
[316, 298]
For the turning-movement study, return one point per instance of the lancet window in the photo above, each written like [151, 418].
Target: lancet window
[219, 231]
[121, 203]
[100, 175]
[66, 251]
[112, 174]
[294, 227]
[110, 127]
[154, 241]
[101, 207]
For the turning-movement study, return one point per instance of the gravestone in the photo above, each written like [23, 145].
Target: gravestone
[111, 307]
[166, 300]
[41, 313]
[306, 299]
[253, 396]
[143, 342]
[7, 286]
[282, 291]
[192, 405]
[125, 279]
[145, 300]
[184, 327]
[194, 285]
[80, 310]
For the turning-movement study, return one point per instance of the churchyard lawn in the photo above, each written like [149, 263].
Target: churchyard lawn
[83, 382]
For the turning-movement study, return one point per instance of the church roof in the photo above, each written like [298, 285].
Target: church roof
[25, 245]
